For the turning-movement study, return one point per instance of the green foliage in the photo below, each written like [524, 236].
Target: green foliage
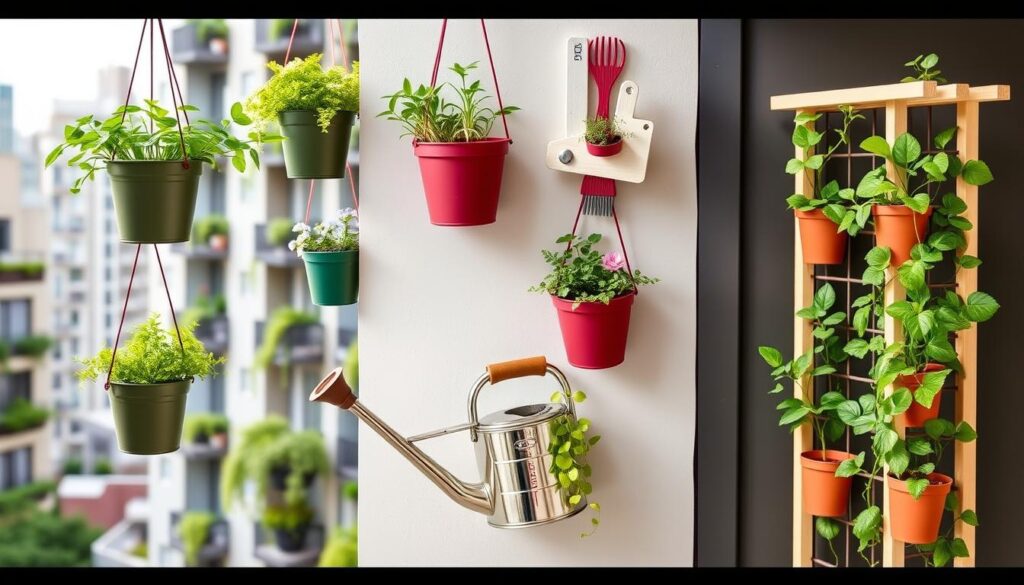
[282, 28]
[203, 424]
[211, 225]
[302, 453]
[279, 230]
[150, 133]
[73, 466]
[333, 235]
[46, 540]
[102, 466]
[24, 496]
[924, 69]
[342, 549]
[427, 116]
[603, 131]
[208, 29]
[194, 529]
[293, 518]
[26, 268]
[243, 461]
[22, 415]
[304, 85]
[581, 274]
[206, 307]
[153, 356]
[280, 321]
[350, 490]
[570, 444]
[141, 550]
[33, 345]
[351, 365]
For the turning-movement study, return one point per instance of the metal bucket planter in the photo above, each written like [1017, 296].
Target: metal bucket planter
[154, 200]
[333, 277]
[148, 417]
[462, 180]
[309, 153]
[595, 333]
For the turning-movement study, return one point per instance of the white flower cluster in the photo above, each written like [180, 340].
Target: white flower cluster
[339, 233]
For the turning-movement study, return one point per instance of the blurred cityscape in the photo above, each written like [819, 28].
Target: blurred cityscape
[68, 495]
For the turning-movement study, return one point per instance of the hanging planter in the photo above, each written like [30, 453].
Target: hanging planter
[604, 136]
[917, 521]
[315, 109]
[460, 165]
[819, 240]
[154, 200]
[824, 493]
[917, 413]
[290, 525]
[899, 228]
[593, 296]
[331, 253]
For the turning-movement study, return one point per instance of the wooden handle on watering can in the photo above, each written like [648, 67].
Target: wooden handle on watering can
[531, 366]
[333, 389]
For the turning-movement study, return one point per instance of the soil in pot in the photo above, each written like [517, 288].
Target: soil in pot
[819, 240]
[610, 149]
[595, 333]
[279, 477]
[824, 494]
[309, 153]
[148, 417]
[154, 200]
[462, 180]
[333, 277]
[917, 521]
[916, 415]
[291, 540]
[898, 228]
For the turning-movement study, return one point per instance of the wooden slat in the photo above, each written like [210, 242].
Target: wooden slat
[895, 124]
[860, 96]
[966, 454]
[944, 94]
[990, 93]
[803, 295]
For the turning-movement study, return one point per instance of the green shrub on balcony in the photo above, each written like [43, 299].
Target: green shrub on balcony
[203, 424]
[26, 268]
[242, 462]
[33, 345]
[194, 529]
[280, 322]
[205, 307]
[302, 454]
[22, 415]
[72, 466]
[46, 540]
[342, 549]
[102, 466]
[279, 231]
[211, 225]
[24, 496]
[208, 29]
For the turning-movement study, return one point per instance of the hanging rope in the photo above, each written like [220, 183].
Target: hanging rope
[618, 230]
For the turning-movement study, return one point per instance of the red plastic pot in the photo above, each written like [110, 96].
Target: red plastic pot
[605, 149]
[824, 493]
[595, 333]
[916, 415]
[462, 180]
[898, 228]
[819, 240]
[917, 521]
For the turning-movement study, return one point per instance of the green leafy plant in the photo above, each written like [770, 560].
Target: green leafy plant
[923, 66]
[33, 345]
[153, 356]
[293, 518]
[25, 496]
[334, 235]
[102, 466]
[194, 530]
[208, 29]
[26, 268]
[72, 466]
[22, 415]
[427, 116]
[283, 319]
[351, 365]
[350, 490]
[150, 133]
[205, 307]
[279, 231]
[569, 447]
[243, 461]
[200, 426]
[141, 550]
[303, 85]
[301, 453]
[211, 225]
[604, 131]
[946, 547]
[43, 539]
[583, 275]
[342, 549]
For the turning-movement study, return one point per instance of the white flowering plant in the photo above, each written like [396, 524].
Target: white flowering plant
[338, 234]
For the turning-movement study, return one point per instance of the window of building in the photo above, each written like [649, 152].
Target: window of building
[15, 468]
[74, 317]
[108, 319]
[57, 380]
[13, 387]
[108, 275]
[5, 235]
[15, 319]
[108, 250]
[76, 274]
[74, 346]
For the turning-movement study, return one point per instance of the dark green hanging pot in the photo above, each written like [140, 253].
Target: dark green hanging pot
[333, 277]
[309, 153]
[149, 417]
[154, 199]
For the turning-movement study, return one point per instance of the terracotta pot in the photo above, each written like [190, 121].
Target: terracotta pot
[917, 521]
[218, 242]
[916, 415]
[898, 228]
[606, 149]
[462, 180]
[218, 46]
[819, 240]
[824, 493]
[595, 333]
[219, 440]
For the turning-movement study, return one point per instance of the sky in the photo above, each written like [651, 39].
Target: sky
[60, 59]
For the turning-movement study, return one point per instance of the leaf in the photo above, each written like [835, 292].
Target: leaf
[850, 467]
[968, 261]
[919, 446]
[825, 297]
[878, 257]
[940, 350]
[794, 166]
[771, 356]
[573, 474]
[941, 555]
[776, 389]
[801, 364]
[858, 348]
[848, 411]
[936, 428]
[901, 400]
[793, 415]
[976, 172]
[805, 117]
[563, 461]
[823, 370]
[898, 459]
[965, 433]
[901, 310]
[931, 60]
[969, 518]
[961, 223]
[834, 428]
[873, 276]
[952, 503]
[944, 241]
[563, 480]
[866, 525]
[876, 145]
[931, 384]
[578, 396]
[796, 201]
[959, 548]
[826, 528]
[593, 440]
[834, 319]
[238, 161]
[884, 440]
[238, 115]
[916, 486]
[980, 307]
[573, 500]
[815, 162]
[941, 161]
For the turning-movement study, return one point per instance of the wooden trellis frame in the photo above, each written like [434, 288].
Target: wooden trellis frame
[896, 99]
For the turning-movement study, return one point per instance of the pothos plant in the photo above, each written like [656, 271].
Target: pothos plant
[150, 133]
[924, 69]
[569, 447]
[427, 116]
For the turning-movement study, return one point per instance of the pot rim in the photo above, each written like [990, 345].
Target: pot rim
[815, 214]
[486, 140]
[324, 254]
[901, 210]
[900, 485]
[137, 385]
[621, 301]
[314, 114]
[609, 145]
[808, 461]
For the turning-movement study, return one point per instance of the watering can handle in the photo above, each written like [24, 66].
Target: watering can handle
[333, 389]
[531, 366]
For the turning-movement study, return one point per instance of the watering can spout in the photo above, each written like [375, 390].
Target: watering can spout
[476, 496]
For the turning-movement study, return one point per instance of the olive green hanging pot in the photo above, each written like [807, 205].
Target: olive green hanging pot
[333, 277]
[148, 417]
[309, 153]
[154, 199]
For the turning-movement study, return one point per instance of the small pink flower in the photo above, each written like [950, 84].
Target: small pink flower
[613, 261]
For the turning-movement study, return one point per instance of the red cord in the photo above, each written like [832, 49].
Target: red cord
[174, 317]
[128, 97]
[124, 311]
[309, 200]
[344, 49]
[622, 245]
[291, 39]
[494, 75]
[437, 57]
[334, 60]
[174, 99]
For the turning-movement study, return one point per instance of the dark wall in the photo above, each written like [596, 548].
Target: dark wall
[782, 57]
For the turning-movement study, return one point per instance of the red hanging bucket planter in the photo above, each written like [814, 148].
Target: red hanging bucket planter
[595, 333]
[462, 180]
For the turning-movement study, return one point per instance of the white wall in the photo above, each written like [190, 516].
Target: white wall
[437, 304]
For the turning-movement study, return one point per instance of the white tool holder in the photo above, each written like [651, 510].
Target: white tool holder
[570, 154]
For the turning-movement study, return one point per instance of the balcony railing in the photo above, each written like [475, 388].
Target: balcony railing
[218, 543]
[214, 333]
[21, 266]
[199, 251]
[189, 49]
[274, 255]
[302, 344]
[272, 39]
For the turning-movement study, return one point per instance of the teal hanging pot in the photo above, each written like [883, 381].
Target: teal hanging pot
[333, 277]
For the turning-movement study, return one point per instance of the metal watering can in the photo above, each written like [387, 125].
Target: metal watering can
[516, 489]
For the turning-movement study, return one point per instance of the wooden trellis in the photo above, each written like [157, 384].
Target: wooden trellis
[896, 101]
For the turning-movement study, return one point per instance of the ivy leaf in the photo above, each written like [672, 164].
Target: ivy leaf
[793, 415]
[965, 433]
[857, 347]
[867, 523]
[834, 319]
[931, 384]
[968, 261]
[778, 388]
[771, 356]
[805, 117]
[878, 257]
[826, 528]
[969, 518]
[825, 297]
[941, 555]
[876, 145]
[906, 149]
[238, 115]
[848, 411]
[959, 548]
[794, 166]
[942, 138]
[901, 400]
[919, 446]
[976, 172]
[980, 307]
[850, 467]
[885, 439]
[815, 162]
[563, 461]
[916, 486]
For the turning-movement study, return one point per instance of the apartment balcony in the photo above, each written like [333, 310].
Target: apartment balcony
[71, 227]
[189, 49]
[199, 251]
[302, 344]
[218, 542]
[274, 255]
[272, 37]
[118, 547]
[346, 463]
[22, 417]
[272, 556]
[345, 338]
[21, 267]
[214, 333]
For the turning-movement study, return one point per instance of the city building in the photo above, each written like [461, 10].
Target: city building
[6, 119]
